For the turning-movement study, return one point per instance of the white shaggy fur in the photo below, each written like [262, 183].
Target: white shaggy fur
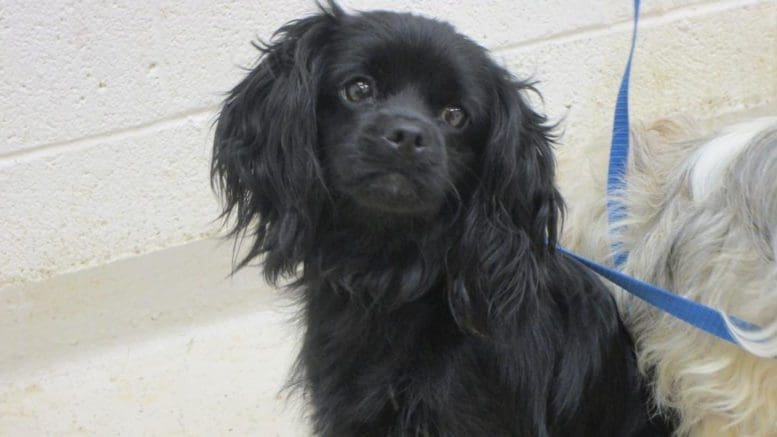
[714, 157]
[702, 221]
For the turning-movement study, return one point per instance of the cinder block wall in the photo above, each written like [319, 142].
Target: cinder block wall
[106, 106]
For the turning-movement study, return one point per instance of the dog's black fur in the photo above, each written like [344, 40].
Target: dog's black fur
[433, 300]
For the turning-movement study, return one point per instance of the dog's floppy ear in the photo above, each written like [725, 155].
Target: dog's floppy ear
[519, 165]
[511, 224]
[264, 158]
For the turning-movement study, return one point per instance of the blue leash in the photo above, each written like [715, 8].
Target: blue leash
[619, 151]
[702, 317]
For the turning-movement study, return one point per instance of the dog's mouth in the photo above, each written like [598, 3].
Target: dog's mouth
[393, 192]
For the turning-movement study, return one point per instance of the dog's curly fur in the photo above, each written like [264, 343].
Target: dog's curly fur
[419, 221]
[702, 221]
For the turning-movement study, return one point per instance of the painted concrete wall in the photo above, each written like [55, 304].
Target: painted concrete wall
[106, 106]
[105, 130]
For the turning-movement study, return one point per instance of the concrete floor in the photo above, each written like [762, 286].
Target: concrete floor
[159, 345]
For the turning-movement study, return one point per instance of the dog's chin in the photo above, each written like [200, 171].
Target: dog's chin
[395, 194]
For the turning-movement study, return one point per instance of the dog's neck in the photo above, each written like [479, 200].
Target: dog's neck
[393, 260]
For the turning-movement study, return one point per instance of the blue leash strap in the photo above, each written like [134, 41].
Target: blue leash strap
[619, 151]
[700, 316]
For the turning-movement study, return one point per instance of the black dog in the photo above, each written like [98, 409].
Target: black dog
[402, 169]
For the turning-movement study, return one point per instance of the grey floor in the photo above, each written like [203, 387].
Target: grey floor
[163, 344]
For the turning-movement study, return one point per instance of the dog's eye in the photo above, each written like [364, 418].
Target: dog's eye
[454, 116]
[358, 90]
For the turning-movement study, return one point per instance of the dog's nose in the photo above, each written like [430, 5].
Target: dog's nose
[407, 136]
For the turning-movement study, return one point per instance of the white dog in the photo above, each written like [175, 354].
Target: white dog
[701, 221]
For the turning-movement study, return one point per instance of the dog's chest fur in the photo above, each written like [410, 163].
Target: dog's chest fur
[412, 370]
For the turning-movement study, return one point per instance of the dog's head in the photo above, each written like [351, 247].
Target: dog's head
[386, 117]
[401, 112]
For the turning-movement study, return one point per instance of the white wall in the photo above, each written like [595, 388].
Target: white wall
[106, 106]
